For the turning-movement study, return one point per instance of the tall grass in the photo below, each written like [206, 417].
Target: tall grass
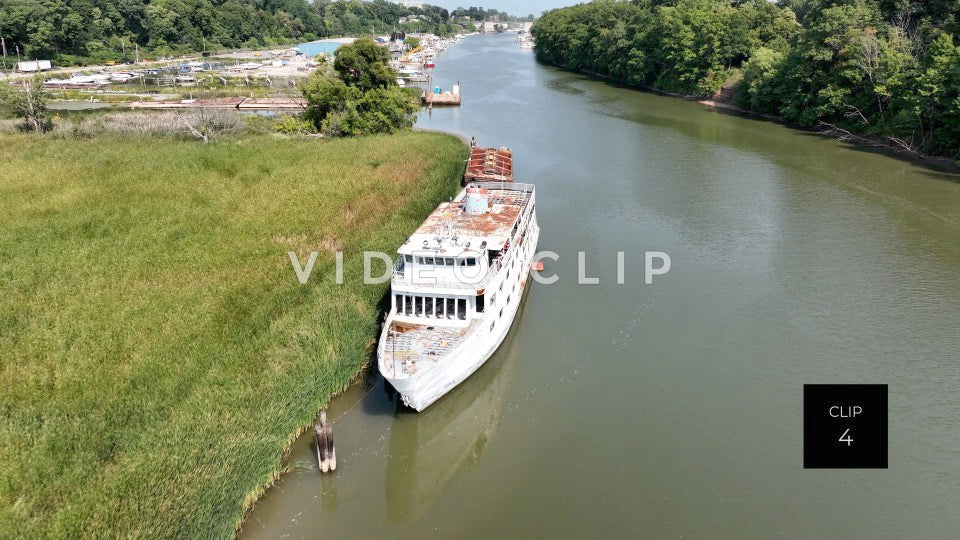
[157, 354]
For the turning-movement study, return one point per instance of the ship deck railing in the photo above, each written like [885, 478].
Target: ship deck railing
[526, 190]
[438, 343]
[400, 277]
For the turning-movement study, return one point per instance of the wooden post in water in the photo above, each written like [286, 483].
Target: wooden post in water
[326, 453]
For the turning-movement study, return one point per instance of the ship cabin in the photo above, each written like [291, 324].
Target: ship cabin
[451, 271]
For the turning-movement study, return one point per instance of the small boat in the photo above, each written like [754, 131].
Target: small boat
[456, 288]
[489, 165]
[401, 83]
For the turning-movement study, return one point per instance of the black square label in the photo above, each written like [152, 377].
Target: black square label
[845, 426]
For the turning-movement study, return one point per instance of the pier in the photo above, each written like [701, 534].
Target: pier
[225, 103]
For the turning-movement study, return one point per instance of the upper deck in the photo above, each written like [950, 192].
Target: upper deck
[465, 242]
[451, 230]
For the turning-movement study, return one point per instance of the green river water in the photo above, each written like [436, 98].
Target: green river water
[672, 409]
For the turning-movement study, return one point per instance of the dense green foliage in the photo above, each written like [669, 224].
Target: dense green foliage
[28, 101]
[157, 352]
[77, 31]
[480, 14]
[363, 98]
[365, 64]
[881, 68]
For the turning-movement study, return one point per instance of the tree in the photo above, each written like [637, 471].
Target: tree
[363, 98]
[365, 64]
[205, 123]
[28, 100]
[326, 95]
[755, 90]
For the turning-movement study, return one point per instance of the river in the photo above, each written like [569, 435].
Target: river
[671, 409]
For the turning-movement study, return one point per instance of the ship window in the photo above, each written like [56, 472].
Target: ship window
[494, 323]
[441, 308]
[408, 258]
[418, 306]
[472, 261]
[429, 261]
[501, 309]
[398, 308]
[480, 303]
[407, 305]
[462, 309]
[451, 308]
[493, 300]
[428, 311]
[448, 261]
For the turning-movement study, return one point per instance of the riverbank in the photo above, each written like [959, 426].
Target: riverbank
[885, 145]
[160, 355]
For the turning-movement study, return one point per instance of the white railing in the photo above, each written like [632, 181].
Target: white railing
[400, 276]
[452, 282]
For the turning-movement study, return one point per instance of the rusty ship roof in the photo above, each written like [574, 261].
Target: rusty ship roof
[450, 220]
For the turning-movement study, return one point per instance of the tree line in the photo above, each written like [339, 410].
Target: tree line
[887, 69]
[480, 14]
[74, 32]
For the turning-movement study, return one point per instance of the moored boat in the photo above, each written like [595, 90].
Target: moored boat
[456, 288]
[489, 165]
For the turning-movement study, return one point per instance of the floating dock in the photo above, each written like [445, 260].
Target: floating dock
[445, 99]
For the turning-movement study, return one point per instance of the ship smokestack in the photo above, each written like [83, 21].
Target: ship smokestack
[476, 202]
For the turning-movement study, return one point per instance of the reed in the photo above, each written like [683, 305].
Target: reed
[157, 353]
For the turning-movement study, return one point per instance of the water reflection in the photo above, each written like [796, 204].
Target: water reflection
[430, 449]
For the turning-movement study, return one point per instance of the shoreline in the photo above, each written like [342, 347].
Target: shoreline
[884, 146]
[251, 500]
[308, 347]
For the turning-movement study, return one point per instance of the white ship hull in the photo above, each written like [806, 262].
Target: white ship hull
[423, 389]
[441, 330]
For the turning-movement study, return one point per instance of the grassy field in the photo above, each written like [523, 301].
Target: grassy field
[157, 353]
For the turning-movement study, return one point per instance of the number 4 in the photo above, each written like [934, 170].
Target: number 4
[846, 438]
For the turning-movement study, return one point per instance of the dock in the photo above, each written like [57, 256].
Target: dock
[224, 103]
[445, 99]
